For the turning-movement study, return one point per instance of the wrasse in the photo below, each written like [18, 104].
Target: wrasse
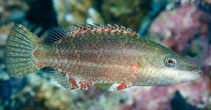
[105, 55]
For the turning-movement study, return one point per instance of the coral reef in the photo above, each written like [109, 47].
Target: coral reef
[4, 31]
[126, 13]
[76, 12]
[42, 94]
[12, 10]
[184, 30]
[194, 94]
[39, 94]
[113, 12]
[175, 28]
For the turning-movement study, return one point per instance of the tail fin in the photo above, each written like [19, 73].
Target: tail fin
[20, 46]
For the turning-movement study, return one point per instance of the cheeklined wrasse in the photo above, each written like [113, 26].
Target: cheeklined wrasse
[105, 55]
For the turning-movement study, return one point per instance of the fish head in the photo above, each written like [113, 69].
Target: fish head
[165, 67]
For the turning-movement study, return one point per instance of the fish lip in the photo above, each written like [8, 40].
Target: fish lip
[197, 70]
[201, 71]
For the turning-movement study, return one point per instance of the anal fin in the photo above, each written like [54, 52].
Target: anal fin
[69, 82]
[59, 76]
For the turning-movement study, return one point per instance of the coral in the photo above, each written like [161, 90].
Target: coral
[175, 28]
[42, 94]
[126, 13]
[207, 59]
[38, 94]
[113, 12]
[184, 30]
[76, 12]
[4, 32]
[195, 94]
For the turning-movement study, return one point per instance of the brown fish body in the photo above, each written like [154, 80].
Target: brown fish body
[109, 59]
[84, 55]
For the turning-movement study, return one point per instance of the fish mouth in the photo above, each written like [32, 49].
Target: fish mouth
[191, 74]
[197, 70]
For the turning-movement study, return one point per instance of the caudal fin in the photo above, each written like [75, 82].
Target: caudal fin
[20, 46]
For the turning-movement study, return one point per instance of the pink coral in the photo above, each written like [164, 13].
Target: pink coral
[208, 57]
[158, 98]
[181, 25]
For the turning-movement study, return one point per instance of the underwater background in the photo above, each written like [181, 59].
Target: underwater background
[181, 25]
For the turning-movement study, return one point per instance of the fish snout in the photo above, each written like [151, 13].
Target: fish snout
[200, 71]
[197, 70]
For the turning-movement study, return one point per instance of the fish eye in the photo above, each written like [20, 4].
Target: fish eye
[170, 62]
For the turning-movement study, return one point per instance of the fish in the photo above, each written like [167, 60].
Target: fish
[109, 56]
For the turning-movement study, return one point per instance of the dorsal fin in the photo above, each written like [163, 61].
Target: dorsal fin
[95, 28]
[56, 35]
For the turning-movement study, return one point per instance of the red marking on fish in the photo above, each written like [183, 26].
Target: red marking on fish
[88, 31]
[63, 73]
[79, 32]
[131, 32]
[102, 30]
[153, 78]
[109, 30]
[149, 74]
[121, 31]
[91, 27]
[85, 27]
[59, 41]
[83, 85]
[135, 68]
[121, 86]
[72, 80]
